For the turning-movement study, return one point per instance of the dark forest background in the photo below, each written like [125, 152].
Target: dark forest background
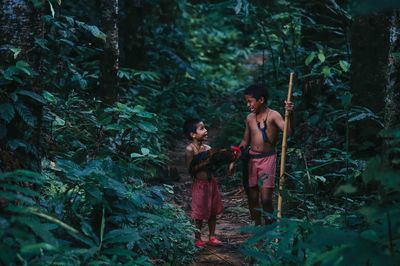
[94, 94]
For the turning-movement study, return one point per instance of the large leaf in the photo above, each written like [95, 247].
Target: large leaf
[32, 95]
[25, 113]
[310, 58]
[344, 65]
[25, 67]
[122, 236]
[95, 31]
[147, 126]
[37, 248]
[7, 112]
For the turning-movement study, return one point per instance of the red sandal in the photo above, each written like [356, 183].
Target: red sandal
[214, 242]
[200, 243]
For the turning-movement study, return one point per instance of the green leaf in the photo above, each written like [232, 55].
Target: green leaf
[346, 99]
[122, 236]
[103, 225]
[15, 144]
[148, 127]
[42, 43]
[25, 114]
[58, 121]
[24, 67]
[37, 4]
[7, 112]
[41, 230]
[238, 6]
[145, 151]
[32, 95]
[9, 73]
[120, 252]
[16, 52]
[51, 9]
[37, 248]
[136, 155]
[52, 219]
[49, 97]
[18, 197]
[318, 177]
[117, 127]
[321, 57]
[144, 114]
[347, 188]
[310, 58]
[344, 65]
[326, 71]
[96, 32]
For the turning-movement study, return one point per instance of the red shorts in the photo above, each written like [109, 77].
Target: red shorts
[206, 199]
[262, 171]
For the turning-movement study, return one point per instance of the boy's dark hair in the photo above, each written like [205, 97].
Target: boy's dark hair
[257, 91]
[190, 126]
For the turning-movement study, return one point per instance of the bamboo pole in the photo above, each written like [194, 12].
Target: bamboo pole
[283, 154]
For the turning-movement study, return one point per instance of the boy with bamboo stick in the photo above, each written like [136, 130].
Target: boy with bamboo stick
[258, 145]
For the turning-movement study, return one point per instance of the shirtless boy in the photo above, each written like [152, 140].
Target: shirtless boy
[206, 198]
[261, 134]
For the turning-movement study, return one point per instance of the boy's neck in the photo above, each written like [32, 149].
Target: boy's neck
[262, 109]
[197, 142]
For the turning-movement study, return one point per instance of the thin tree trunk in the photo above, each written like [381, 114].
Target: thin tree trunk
[20, 24]
[370, 46]
[109, 60]
[392, 74]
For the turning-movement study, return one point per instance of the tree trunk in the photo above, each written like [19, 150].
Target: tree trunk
[20, 24]
[370, 46]
[392, 88]
[109, 60]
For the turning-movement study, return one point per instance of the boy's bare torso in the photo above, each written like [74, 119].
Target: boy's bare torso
[257, 143]
[191, 151]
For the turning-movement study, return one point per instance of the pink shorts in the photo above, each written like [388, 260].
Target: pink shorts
[262, 171]
[206, 199]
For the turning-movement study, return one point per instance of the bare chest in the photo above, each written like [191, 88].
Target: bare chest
[257, 129]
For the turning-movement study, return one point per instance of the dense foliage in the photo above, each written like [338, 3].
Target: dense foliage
[80, 178]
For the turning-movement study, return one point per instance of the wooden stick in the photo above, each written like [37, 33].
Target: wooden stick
[283, 155]
[218, 256]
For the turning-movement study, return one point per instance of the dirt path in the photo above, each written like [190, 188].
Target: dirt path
[229, 222]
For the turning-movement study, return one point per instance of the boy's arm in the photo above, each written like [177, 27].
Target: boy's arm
[280, 122]
[194, 166]
[188, 156]
[246, 136]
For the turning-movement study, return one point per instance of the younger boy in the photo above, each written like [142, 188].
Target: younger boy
[261, 132]
[206, 198]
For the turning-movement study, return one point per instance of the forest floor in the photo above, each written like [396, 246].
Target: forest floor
[235, 215]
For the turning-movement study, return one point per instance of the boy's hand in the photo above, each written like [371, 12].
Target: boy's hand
[236, 151]
[289, 106]
[231, 169]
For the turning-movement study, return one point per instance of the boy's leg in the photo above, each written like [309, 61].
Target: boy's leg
[213, 241]
[199, 225]
[266, 199]
[254, 204]
[211, 224]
